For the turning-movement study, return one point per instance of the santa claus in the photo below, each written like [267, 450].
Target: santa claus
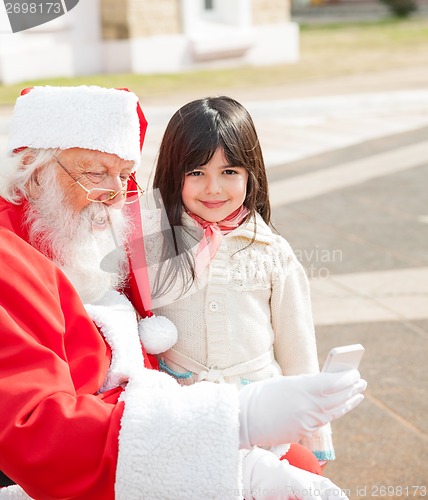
[82, 416]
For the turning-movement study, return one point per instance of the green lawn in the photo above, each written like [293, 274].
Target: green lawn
[327, 51]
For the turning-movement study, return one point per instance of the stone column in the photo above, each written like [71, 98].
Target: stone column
[271, 11]
[124, 19]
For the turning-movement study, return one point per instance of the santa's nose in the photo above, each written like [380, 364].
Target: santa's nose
[118, 201]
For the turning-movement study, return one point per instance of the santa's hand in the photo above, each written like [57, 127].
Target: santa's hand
[265, 477]
[282, 409]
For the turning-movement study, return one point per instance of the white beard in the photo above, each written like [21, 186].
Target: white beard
[77, 242]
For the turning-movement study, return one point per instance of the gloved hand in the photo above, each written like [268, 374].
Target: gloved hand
[266, 477]
[283, 409]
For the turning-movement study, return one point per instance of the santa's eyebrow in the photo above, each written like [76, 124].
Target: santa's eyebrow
[91, 165]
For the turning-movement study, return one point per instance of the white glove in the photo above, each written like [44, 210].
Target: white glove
[266, 477]
[283, 409]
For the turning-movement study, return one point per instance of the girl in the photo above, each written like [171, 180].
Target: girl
[243, 309]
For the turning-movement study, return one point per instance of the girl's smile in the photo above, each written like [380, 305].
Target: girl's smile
[213, 204]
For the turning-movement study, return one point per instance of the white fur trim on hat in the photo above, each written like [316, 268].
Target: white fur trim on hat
[86, 117]
[157, 334]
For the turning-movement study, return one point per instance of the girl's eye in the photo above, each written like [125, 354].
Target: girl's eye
[195, 173]
[229, 171]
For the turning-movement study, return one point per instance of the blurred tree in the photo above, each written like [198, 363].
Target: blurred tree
[401, 8]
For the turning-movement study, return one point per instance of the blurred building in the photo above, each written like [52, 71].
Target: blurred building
[151, 36]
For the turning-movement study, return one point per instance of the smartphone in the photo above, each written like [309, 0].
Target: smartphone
[343, 358]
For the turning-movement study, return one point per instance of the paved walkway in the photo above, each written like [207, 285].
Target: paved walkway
[348, 184]
[348, 168]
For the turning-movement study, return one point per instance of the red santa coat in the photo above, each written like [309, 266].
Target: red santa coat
[59, 436]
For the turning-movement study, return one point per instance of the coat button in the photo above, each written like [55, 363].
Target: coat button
[213, 306]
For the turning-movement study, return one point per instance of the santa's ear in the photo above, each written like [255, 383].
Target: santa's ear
[27, 158]
[33, 185]
[29, 155]
[33, 181]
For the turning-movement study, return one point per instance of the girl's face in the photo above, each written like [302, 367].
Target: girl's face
[215, 190]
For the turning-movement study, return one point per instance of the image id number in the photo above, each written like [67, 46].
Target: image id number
[399, 491]
[33, 8]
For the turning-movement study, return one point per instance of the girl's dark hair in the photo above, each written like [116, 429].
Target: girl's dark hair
[191, 138]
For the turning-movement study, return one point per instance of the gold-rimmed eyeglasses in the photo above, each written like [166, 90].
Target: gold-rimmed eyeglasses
[101, 195]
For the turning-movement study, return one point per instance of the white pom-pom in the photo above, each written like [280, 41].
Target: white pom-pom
[157, 334]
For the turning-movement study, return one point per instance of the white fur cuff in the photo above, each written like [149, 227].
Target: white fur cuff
[178, 442]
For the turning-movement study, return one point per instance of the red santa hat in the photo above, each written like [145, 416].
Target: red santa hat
[89, 117]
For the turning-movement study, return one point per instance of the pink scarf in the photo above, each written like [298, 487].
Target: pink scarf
[213, 234]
